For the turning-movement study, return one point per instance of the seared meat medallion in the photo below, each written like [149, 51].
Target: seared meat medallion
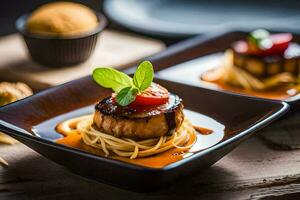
[138, 122]
[269, 65]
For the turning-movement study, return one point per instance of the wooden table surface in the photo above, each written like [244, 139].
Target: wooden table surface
[267, 166]
[113, 48]
[251, 171]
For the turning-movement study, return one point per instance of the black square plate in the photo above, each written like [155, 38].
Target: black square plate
[241, 116]
[185, 61]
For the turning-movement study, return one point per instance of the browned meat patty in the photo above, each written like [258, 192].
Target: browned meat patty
[138, 124]
[262, 67]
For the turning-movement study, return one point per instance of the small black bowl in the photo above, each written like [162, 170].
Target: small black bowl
[56, 51]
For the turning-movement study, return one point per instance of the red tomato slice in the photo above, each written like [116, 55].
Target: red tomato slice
[280, 44]
[154, 95]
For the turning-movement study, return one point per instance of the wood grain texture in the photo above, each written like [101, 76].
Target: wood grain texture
[284, 134]
[113, 49]
[252, 171]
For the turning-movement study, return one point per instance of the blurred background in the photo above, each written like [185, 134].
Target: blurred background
[141, 28]
[12, 9]
[135, 29]
[176, 19]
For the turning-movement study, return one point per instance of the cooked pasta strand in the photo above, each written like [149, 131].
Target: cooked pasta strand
[232, 75]
[126, 147]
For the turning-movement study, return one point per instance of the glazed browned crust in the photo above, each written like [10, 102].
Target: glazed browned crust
[138, 124]
[262, 67]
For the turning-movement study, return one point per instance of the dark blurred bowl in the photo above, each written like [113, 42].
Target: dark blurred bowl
[57, 51]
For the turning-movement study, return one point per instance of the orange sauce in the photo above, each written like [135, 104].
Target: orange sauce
[156, 161]
[202, 130]
[203, 139]
[279, 93]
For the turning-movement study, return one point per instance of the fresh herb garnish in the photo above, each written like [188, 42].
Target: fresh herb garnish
[111, 78]
[123, 85]
[143, 75]
[261, 38]
[126, 95]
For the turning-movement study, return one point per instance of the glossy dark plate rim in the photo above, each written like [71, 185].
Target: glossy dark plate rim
[19, 132]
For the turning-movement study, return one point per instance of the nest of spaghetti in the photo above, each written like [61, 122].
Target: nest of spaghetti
[135, 132]
[250, 66]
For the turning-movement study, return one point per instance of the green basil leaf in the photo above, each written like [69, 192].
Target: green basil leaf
[143, 76]
[259, 34]
[111, 78]
[261, 39]
[126, 96]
